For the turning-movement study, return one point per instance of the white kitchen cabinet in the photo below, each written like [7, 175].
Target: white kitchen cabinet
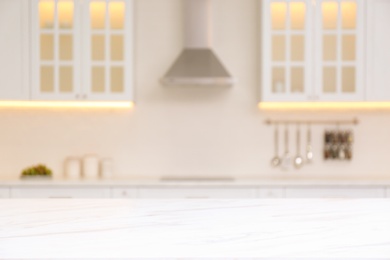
[287, 41]
[335, 192]
[378, 51]
[82, 50]
[339, 63]
[123, 193]
[312, 50]
[14, 50]
[4, 193]
[59, 192]
[269, 193]
[388, 192]
[195, 193]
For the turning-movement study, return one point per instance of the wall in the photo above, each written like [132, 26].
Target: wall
[187, 130]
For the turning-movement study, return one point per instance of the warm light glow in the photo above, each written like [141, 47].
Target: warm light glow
[323, 105]
[349, 10]
[117, 15]
[278, 11]
[46, 14]
[98, 15]
[329, 15]
[65, 14]
[66, 104]
[297, 14]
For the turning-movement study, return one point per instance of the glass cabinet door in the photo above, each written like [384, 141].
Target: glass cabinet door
[55, 43]
[286, 53]
[108, 50]
[339, 55]
[82, 49]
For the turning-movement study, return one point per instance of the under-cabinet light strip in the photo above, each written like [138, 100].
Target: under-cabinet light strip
[65, 104]
[323, 105]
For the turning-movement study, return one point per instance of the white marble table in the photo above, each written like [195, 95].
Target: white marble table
[275, 229]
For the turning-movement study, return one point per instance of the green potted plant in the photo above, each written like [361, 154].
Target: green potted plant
[39, 171]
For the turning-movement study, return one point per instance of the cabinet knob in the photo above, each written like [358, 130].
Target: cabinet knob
[84, 96]
[77, 96]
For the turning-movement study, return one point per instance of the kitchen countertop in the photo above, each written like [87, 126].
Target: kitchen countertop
[244, 182]
[327, 228]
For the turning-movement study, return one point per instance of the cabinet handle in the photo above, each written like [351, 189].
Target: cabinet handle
[85, 96]
[77, 96]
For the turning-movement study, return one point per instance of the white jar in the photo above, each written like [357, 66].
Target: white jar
[106, 168]
[90, 166]
[72, 168]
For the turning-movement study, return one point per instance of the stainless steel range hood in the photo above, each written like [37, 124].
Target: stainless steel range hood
[197, 64]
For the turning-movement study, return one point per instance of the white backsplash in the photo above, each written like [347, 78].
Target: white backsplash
[190, 130]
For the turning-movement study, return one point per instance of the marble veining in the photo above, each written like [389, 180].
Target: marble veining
[330, 228]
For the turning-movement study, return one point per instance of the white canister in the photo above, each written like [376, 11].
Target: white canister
[90, 167]
[106, 168]
[73, 168]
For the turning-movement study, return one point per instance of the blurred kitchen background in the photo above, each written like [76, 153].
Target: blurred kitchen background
[189, 131]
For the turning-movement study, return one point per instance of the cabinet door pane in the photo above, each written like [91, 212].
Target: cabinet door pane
[329, 15]
[46, 14]
[348, 79]
[117, 47]
[47, 79]
[278, 80]
[348, 12]
[297, 15]
[47, 47]
[329, 80]
[297, 48]
[278, 48]
[98, 79]
[297, 80]
[117, 80]
[117, 15]
[98, 47]
[349, 47]
[65, 14]
[66, 79]
[278, 13]
[66, 47]
[98, 15]
[329, 47]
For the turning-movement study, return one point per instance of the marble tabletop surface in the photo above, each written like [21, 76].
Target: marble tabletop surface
[265, 229]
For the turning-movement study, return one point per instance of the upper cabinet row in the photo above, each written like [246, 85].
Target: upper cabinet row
[325, 50]
[77, 50]
[312, 50]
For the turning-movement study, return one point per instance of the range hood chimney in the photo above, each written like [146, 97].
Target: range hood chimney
[197, 64]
